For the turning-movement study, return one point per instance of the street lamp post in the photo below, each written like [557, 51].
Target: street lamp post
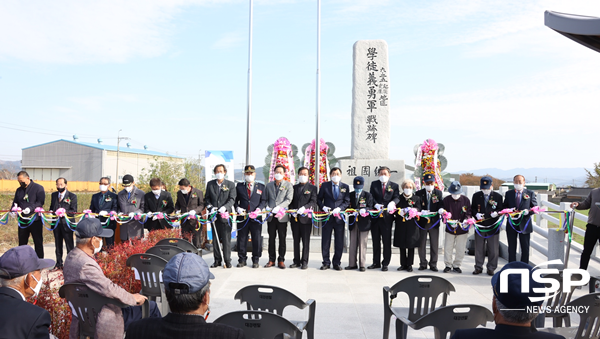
[119, 138]
[318, 138]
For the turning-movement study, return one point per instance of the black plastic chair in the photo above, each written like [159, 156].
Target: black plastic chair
[181, 243]
[446, 320]
[150, 267]
[559, 300]
[165, 251]
[275, 299]
[423, 292]
[589, 322]
[87, 304]
[259, 324]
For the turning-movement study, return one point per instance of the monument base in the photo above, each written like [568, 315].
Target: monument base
[369, 169]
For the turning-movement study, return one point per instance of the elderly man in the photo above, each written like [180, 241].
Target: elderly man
[431, 201]
[519, 199]
[131, 202]
[459, 207]
[186, 278]
[81, 268]
[103, 203]
[190, 200]
[68, 201]
[157, 201]
[247, 199]
[485, 207]
[510, 308]
[28, 197]
[359, 226]
[278, 196]
[592, 229]
[21, 278]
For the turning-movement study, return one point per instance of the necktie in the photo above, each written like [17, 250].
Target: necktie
[336, 192]
[249, 193]
[428, 201]
[518, 200]
[486, 197]
[102, 199]
[383, 188]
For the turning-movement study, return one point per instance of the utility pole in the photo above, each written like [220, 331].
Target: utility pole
[318, 132]
[249, 113]
[119, 138]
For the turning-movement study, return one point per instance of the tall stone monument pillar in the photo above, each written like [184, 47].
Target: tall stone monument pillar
[371, 114]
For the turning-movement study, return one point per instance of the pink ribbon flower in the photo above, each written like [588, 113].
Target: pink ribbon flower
[61, 212]
[337, 215]
[224, 215]
[254, 214]
[470, 221]
[137, 216]
[506, 211]
[446, 215]
[537, 209]
[364, 214]
[412, 212]
[87, 211]
[393, 210]
[160, 215]
[39, 210]
[113, 215]
[16, 209]
[280, 214]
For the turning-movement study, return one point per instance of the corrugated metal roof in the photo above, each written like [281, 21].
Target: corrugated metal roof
[110, 148]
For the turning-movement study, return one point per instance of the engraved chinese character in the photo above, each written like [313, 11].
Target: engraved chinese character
[371, 105]
[372, 119]
[372, 136]
[371, 128]
[371, 66]
[383, 88]
[372, 92]
[365, 170]
[351, 171]
[372, 81]
[371, 53]
[383, 100]
[383, 77]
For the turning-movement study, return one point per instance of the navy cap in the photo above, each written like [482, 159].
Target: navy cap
[127, 179]
[485, 182]
[91, 227]
[359, 182]
[455, 188]
[186, 269]
[514, 298]
[20, 260]
[249, 168]
[428, 178]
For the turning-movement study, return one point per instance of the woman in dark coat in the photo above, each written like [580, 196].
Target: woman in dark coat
[406, 233]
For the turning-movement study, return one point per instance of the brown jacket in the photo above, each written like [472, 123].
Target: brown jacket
[83, 269]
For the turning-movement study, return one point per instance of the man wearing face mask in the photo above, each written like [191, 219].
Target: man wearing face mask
[485, 207]
[103, 203]
[406, 233]
[334, 197]
[20, 279]
[131, 202]
[248, 199]
[157, 201]
[305, 200]
[220, 197]
[359, 226]
[190, 200]
[28, 197]
[431, 201]
[459, 206]
[82, 268]
[519, 199]
[62, 231]
[386, 194]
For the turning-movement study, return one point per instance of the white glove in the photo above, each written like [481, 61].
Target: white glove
[276, 209]
[120, 213]
[222, 209]
[213, 210]
[301, 210]
[131, 215]
[191, 212]
[240, 210]
[479, 216]
[494, 214]
[15, 206]
[362, 211]
[336, 210]
[441, 211]
[155, 217]
[149, 214]
[391, 205]
[178, 212]
[378, 207]
[103, 213]
[326, 209]
[525, 212]
[26, 210]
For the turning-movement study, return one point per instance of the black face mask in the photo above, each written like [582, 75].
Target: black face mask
[23, 185]
[62, 189]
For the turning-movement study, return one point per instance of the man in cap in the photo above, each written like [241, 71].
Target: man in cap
[431, 202]
[186, 279]
[592, 229]
[190, 200]
[459, 206]
[82, 268]
[519, 199]
[510, 308]
[131, 202]
[485, 207]
[28, 197]
[21, 278]
[303, 201]
[359, 226]
[248, 199]
[103, 203]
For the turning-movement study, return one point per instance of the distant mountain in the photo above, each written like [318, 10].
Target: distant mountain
[558, 176]
[12, 166]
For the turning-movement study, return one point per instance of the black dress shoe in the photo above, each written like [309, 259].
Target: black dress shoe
[447, 269]
[384, 268]
[294, 266]
[433, 268]
[228, 265]
[490, 272]
[324, 267]
[337, 267]
[350, 267]
[477, 271]
[242, 264]
[215, 265]
[374, 266]
[255, 265]
[421, 268]
[362, 269]
[401, 268]
[409, 269]
[304, 266]
[457, 270]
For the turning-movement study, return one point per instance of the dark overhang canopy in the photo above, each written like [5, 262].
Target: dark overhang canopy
[580, 28]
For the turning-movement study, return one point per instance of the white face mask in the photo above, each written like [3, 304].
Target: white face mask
[384, 178]
[220, 176]
[103, 188]
[303, 179]
[486, 191]
[455, 196]
[98, 249]
[519, 187]
[407, 191]
[249, 178]
[38, 286]
[128, 189]
[184, 192]
[156, 192]
[429, 188]
[336, 178]
[278, 176]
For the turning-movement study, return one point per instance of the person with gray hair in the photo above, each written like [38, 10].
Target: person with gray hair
[406, 233]
[513, 309]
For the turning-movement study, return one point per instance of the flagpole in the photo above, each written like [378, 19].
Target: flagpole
[248, 123]
[318, 137]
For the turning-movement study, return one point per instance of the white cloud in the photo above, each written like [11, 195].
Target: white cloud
[230, 40]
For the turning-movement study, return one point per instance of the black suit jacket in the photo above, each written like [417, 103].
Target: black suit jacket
[69, 203]
[108, 204]
[528, 200]
[502, 332]
[434, 206]
[325, 198]
[478, 206]
[255, 201]
[193, 201]
[218, 197]
[181, 326]
[364, 201]
[392, 193]
[20, 319]
[32, 196]
[164, 204]
[305, 195]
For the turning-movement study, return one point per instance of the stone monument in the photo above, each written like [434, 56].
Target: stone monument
[371, 115]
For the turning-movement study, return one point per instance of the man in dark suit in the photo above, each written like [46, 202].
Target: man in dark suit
[190, 200]
[131, 202]
[519, 199]
[187, 285]
[333, 198]
[21, 278]
[510, 308]
[220, 197]
[359, 226]
[62, 231]
[485, 207]
[305, 199]
[156, 201]
[103, 203]
[28, 197]
[247, 199]
[386, 194]
[431, 201]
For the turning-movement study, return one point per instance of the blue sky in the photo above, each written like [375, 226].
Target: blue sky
[485, 78]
